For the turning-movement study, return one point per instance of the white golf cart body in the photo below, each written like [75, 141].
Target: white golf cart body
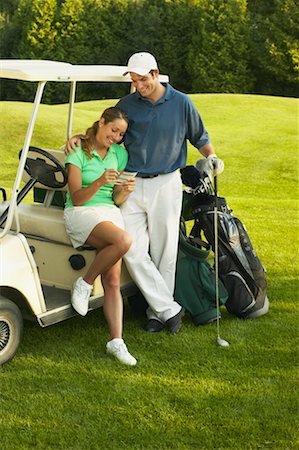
[38, 263]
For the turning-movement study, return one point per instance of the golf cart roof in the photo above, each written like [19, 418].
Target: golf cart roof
[45, 70]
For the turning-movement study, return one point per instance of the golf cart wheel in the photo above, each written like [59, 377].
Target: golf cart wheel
[11, 329]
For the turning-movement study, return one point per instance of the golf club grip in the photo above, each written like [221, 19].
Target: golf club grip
[216, 185]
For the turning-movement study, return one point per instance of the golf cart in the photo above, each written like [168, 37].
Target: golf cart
[38, 263]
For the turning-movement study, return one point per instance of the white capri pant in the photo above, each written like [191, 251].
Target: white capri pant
[81, 220]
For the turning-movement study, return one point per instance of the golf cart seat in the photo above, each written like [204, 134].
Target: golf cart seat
[43, 222]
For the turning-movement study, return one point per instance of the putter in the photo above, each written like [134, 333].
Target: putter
[219, 340]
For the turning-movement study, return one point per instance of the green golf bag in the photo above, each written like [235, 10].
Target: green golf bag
[195, 287]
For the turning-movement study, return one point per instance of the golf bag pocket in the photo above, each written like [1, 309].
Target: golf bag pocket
[240, 297]
[256, 268]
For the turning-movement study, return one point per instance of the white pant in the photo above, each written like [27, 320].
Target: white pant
[152, 216]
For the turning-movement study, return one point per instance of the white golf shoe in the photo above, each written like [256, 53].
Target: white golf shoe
[80, 296]
[118, 349]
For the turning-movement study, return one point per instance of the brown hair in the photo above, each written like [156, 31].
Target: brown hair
[109, 115]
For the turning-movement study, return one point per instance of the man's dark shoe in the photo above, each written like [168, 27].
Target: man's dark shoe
[175, 322]
[154, 326]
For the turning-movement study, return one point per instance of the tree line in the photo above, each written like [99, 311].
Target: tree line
[219, 46]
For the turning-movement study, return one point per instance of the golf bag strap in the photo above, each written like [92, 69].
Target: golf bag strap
[201, 243]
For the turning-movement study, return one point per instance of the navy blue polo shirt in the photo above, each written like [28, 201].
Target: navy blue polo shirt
[157, 132]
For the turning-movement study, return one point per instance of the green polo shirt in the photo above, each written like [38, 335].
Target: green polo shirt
[92, 169]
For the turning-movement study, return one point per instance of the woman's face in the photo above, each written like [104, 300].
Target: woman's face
[112, 132]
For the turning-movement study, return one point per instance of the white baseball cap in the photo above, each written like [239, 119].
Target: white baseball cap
[141, 63]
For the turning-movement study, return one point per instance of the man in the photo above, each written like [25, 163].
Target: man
[161, 119]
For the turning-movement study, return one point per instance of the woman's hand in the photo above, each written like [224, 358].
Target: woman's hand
[122, 191]
[109, 176]
[128, 186]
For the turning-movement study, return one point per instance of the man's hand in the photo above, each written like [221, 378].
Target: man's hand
[210, 164]
[71, 144]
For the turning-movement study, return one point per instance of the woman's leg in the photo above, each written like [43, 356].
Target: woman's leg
[113, 302]
[112, 243]
[113, 310]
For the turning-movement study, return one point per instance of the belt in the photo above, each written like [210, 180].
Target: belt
[145, 175]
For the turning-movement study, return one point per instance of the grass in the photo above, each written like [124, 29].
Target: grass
[62, 392]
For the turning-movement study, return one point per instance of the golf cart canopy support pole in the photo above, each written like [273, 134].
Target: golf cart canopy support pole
[13, 207]
[71, 109]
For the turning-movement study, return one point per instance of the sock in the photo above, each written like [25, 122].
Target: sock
[86, 284]
[115, 341]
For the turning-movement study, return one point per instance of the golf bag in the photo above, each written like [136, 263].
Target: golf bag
[239, 267]
[195, 287]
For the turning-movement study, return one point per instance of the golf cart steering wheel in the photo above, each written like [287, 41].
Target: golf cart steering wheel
[40, 170]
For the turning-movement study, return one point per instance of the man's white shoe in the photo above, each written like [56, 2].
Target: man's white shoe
[80, 296]
[118, 349]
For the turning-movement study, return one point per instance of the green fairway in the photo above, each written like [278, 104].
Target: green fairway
[62, 392]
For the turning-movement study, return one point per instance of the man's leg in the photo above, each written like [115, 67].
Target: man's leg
[163, 225]
[138, 261]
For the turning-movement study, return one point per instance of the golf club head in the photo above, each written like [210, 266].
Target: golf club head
[222, 342]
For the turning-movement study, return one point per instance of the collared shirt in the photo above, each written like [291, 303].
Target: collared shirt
[157, 132]
[92, 169]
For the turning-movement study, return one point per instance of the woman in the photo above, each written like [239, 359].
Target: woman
[92, 217]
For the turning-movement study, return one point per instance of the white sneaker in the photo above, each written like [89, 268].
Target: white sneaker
[80, 296]
[120, 351]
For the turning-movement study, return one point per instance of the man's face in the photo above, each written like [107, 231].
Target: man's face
[145, 85]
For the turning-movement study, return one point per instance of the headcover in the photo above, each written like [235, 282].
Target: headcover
[190, 176]
[200, 184]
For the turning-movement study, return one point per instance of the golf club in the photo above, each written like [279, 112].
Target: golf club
[219, 340]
